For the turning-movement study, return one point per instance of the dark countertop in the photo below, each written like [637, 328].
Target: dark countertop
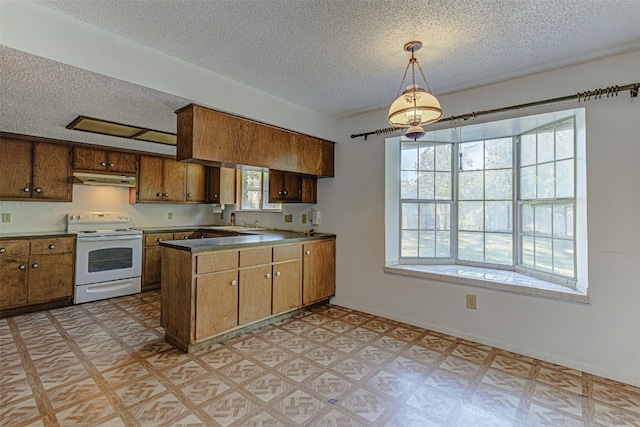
[252, 239]
[35, 235]
[167, 229]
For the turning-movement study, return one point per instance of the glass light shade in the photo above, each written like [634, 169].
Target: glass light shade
[415, 132]
[405, 113]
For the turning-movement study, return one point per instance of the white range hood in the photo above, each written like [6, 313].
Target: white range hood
[103, 179]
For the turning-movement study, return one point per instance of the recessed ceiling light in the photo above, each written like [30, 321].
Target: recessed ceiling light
[105, 127]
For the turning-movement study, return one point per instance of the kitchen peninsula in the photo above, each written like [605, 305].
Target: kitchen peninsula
[216, 288]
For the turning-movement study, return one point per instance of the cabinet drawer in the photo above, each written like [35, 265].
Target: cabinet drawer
[186, 235]
[14, 248]
[286, 253]
[257, 256]
[155, 238]
[210, 263]
[51, 246]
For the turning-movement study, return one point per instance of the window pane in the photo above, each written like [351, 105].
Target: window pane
[546, 146]
[528, 149]
[443, 217]
[528, 183]
[546, 181]
[543, 220]
[498, 185]
[443, 243]
[564, 140]
[471, 216]
[427, 246]
[425, 186]
[563, 257]
[409, 157]
[497, 153]
[498, 216]
[564, 178]
[443, 185]
[543, 254]
[443, 157]
[528, 251]
[427, 216]
[499, 248]
[527, 219]
[470, 185]
[409, 244]
[409, 185]
[472, 156]
[410, 216]
[471, 246]
[251, 199]
[563, 221]
[426, 157]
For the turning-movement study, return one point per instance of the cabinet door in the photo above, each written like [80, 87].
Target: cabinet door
[287, 286]
[185, 235]
[318, 270]
[196, 183]
[216, 303]
[222, 185]
[50, 277]
[50, 246]
[13, 286]
[150, 179]
[255, 294]
[16, 164]
[92, 159]
[173, 181]
[51, 172]
[126, 163]
[10, 249]
[152, 265]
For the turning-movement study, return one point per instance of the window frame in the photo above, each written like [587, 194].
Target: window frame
[276, 207]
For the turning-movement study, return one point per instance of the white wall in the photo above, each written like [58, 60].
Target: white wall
[602, 337]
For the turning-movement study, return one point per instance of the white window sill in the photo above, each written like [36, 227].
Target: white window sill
[487, 278]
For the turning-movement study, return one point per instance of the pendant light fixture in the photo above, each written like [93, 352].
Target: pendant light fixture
[416, 106]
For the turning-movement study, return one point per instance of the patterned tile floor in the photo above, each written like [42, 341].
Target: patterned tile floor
[106, 363]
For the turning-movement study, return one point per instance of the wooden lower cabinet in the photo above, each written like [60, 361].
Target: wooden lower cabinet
[36, 271]
[152, 255]
[318, 271]
[219, 290]
[209, 296]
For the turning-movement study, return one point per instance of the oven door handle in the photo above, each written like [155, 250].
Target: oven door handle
[107, 238]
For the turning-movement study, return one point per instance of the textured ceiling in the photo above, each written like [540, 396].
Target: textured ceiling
[341, 57]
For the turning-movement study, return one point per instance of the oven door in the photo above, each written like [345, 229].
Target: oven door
[108, 258]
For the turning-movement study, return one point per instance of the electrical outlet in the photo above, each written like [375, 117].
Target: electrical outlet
[288, 218]
[6, 217]
[471, 302]
[170, 215]
[304, 218]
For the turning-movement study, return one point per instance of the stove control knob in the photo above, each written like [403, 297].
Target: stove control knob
[71, 218]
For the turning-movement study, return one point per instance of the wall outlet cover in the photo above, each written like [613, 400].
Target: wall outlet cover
[304, 218]
[471, 302]
[288, 218]
[6, 217]
[170, 215]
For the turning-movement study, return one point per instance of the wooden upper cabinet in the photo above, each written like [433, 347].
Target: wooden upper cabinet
[16, 164]
[211, 136]
[97, 160]
[196, 183]
[161, 180]
[174, 181]
[222, 185]
[289, 187]
[35, 170]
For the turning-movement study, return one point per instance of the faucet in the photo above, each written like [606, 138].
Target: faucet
[256, 224]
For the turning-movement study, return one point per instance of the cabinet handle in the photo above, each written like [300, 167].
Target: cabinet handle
[3, 250]
[308, 252]
[280, 193]
[26, 189]
[234, 282]
[52, 246]
[268, 275]
[35, 265]
[188, 194]
[103, 164]
[166, 194]
[22, 266]
[185, 237]
[277, 273]
[38, 190]
[111, 165]
[286, 192]
[159, 239]
[159, 194]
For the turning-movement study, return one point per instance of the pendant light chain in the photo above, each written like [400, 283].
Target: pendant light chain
[424, 78]
[403, 79]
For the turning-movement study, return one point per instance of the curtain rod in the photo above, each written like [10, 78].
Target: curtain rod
[582, 96]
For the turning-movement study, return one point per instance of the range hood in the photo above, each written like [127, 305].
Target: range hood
[103, 179]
